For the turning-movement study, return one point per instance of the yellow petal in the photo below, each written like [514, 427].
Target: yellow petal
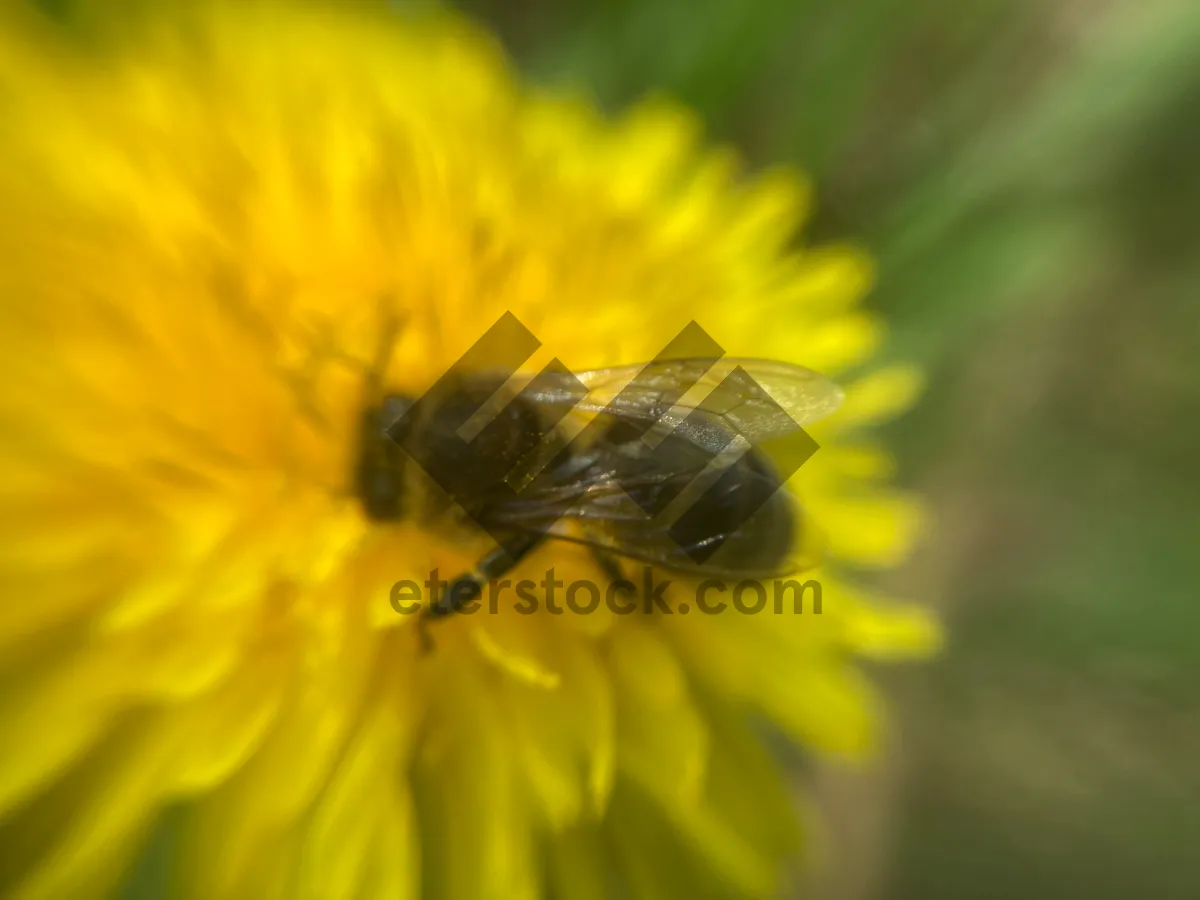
[340, 836]
[103, 825]
[892, 631]
[880, 395]
[475, 778]
[874, 529]
[662, 741]
[578, 865]
[226, 727]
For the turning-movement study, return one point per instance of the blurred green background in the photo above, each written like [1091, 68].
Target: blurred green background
[1025, 173]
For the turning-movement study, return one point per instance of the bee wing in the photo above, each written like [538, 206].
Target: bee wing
[710, 410]
[755, 398]
[603, 515]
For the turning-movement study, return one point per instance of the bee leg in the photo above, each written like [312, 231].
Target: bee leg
[469, 587]
[612, 568]
[424, 638]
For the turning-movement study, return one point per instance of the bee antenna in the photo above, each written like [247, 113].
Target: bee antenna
[392, 325]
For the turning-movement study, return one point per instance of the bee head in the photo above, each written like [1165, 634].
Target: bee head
[379, 479]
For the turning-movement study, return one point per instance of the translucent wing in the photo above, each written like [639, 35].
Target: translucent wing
[656, 430]
[747, 396]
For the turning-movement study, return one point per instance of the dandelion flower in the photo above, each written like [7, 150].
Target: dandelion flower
[207, 211]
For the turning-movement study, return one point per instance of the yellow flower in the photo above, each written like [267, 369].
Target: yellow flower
[207, 211]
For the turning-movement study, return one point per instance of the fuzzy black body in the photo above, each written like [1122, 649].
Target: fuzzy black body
[603, 493]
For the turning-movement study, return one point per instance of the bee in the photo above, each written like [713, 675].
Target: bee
[677, 463]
